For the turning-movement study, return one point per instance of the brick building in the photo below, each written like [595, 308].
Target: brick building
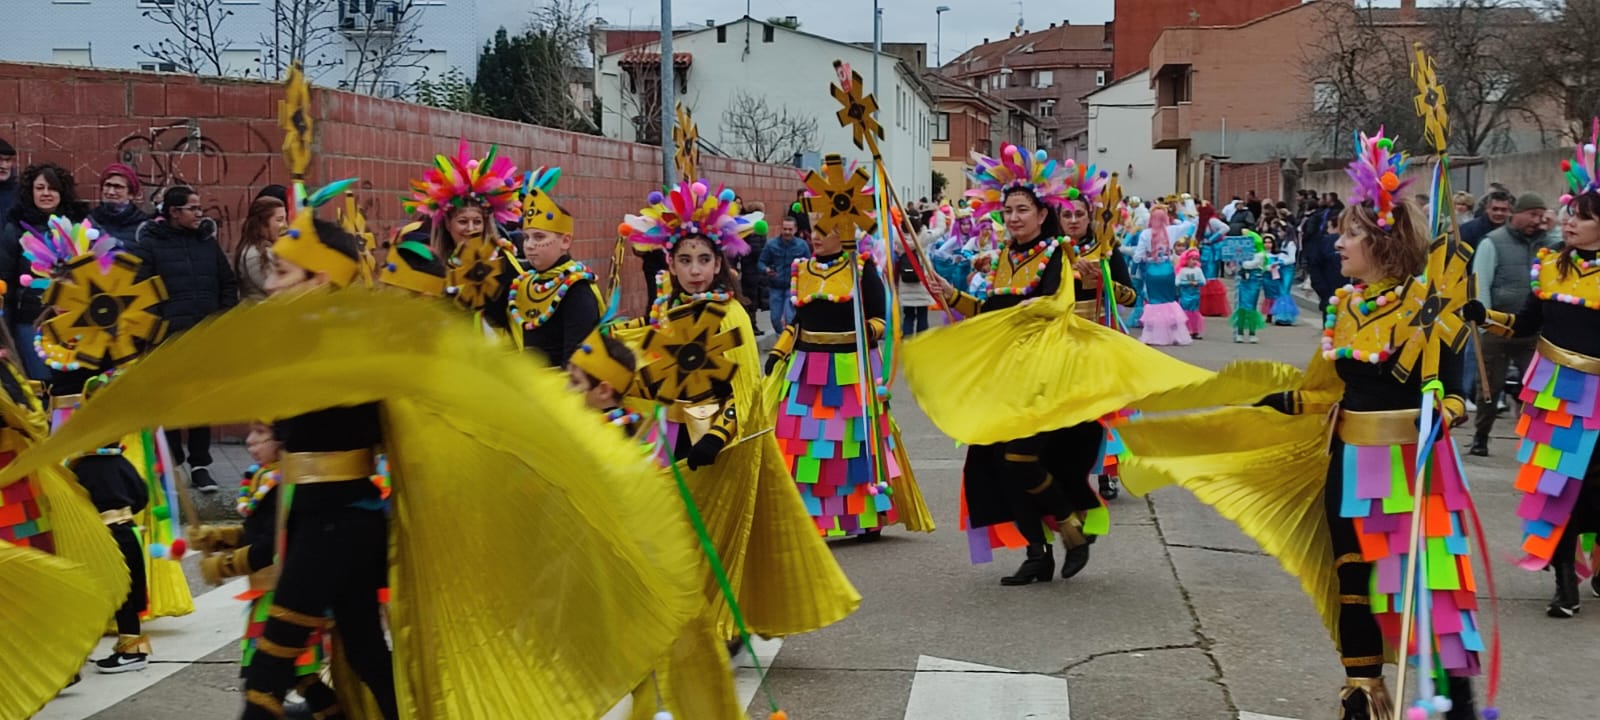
[1045, 72]
[968, 120]
[1140, 22]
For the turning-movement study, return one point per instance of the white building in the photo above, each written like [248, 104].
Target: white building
[1119, 137]
[724, 67]
[102, 33]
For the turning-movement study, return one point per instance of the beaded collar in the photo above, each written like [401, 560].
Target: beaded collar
[1360, 327]
[623, 417]
[1580, 287]
[533, 298]
[1027, 264]
[666, 300]
[258, 481]
[822, 280]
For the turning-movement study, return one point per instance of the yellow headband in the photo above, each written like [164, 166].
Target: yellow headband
[541, 212]
[591, 357]
[302, 247]
[399, 273]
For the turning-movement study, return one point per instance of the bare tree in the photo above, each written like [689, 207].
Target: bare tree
[303, 31]
[385, 38]
[200, 41]
[754, 130]
[1357, 71]
[1567, 63]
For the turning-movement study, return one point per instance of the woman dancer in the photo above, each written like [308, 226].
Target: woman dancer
[1164, 319]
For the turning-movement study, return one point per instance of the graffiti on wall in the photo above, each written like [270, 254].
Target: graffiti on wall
[180, 153]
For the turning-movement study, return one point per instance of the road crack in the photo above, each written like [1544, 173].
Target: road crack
[1203, 642]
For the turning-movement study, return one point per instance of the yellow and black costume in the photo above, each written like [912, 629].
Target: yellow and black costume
[552, 309]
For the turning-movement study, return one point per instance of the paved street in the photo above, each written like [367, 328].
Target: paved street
[1177, 616]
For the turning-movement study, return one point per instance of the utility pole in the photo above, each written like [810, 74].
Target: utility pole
[938, 34]
[877, 44]
[669, 83]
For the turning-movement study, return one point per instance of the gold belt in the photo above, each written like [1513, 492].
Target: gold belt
[117, 516]
[1088, 310]
[302, 468]
[1567, 358]
[264, 579]
[62, 402]
[847, 337]
[1383, 427]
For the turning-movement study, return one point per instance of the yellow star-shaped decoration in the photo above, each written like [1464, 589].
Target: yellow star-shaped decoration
[1430, 101]
[859, 112]
[688, 354]
[1431, 311]
[841, 200]
[294, 116]
[686, 138]
[1107, 218]
[103, 318]
[475, 274]
[355, 223]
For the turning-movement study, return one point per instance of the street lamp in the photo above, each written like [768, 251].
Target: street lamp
[938, 34]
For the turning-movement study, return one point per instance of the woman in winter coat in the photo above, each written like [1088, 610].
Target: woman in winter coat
[46, 189]
[252, 260]
[914, 298]
[118, 213]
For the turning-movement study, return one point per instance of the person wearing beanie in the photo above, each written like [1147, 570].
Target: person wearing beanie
[118, 213]
[8, 178]
[1501, 266]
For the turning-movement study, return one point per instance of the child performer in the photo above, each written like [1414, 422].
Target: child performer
[601, 370]
[1190, 281]
[1247, 318]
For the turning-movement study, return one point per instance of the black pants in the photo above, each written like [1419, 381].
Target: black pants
[1498, 354]
[199, 449]
[336, 558]
[916, 320]
[138, 589]
[1360, 640]
[1037, 476]
[1585, 516]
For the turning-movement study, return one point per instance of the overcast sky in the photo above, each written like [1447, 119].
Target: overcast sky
[966, 24]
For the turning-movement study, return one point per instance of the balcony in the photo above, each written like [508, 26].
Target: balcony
[1169, 128]
[370, 17]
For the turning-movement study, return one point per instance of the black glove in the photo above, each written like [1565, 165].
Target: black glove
[1277, 401]
[1474, 312]
[705, 452]
[772, 362]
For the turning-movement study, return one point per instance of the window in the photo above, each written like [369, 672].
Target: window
[241, 62]
[158, 67]
[1495, 87]
[1047, 108]
[722, 33]
[1099, 78]
[767, 33]
[1044, 78]
[1001, 78]
[1324, 97]
[941, 130]
[71, 56]
[148, 3]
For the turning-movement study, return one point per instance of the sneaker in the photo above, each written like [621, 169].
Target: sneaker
[121, 662]
[1472, 407]
[200, 479]
[1594, 585]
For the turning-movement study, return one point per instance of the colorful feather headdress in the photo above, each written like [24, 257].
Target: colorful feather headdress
[457, 181]
[1580, 170]
[1377, 174]
[992, 178]
[692, 210]
[50, 251]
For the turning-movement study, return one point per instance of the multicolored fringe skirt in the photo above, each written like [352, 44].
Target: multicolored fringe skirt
[1377, 498]
[22, 520]
[307, 663]
[823, 432]
[983, 541]
[1559, 425]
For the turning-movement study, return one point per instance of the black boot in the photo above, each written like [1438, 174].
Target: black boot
[1039, 567]
[1076, 547]
[1109, 488]
[1462, 706]
[1565, 602]
[1365, 699]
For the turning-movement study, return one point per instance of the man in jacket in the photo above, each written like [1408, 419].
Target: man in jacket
[1496, 210]
[1501, 266]
[118, 213]
[776, 260]
[181, 247]
[8, 178]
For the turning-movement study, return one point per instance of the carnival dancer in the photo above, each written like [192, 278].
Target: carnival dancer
[601, 370]
[1164, 319]
[1247, 318]
[1190, 280]
[833, 428]
[1032, 468]
[1560, 475]
[556, 303]
[467, 199]
[782, 574]
[1339, 517]
[1285, 311]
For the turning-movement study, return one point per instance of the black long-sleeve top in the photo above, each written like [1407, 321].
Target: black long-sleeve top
[112, 482]
[1371, 388]
[357, 427]
[261, 531]
[1119, 274]
[826, 316]
[576, 315]
[1567, 326]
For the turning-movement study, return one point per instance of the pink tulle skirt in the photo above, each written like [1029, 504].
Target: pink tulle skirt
[1165, 324]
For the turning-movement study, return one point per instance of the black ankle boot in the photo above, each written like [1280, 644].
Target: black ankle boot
[1075, 546]
[1565, 602]
[1462, 706]
[1039, 567]
[1108, 487]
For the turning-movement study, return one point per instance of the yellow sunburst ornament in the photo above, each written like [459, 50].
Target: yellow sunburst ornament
[104, 317]
[860, 110]
[841, 199]
[686, 138]
[688, 354]
[474, 276]
[1431, 311]
[1107, 219]
[355, 222]
[294, 116]
[1430, 101]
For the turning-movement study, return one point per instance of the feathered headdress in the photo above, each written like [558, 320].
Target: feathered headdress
[1580, 170]
[50, 251]
[492, 182]
[992, 178]
[1378, 173]
[692, 210]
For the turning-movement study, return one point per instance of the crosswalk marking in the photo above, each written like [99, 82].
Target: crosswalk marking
[217, 620]
[954, 689]
[1258, 716]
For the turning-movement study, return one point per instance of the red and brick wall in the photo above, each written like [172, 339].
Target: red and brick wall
[1265, 178]
[222, 137]
[1140, 22]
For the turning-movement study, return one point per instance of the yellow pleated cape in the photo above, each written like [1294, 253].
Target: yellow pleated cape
[1038, 367]
[537, 568]
[784, 577]
[53, 608]
[1260, 469]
